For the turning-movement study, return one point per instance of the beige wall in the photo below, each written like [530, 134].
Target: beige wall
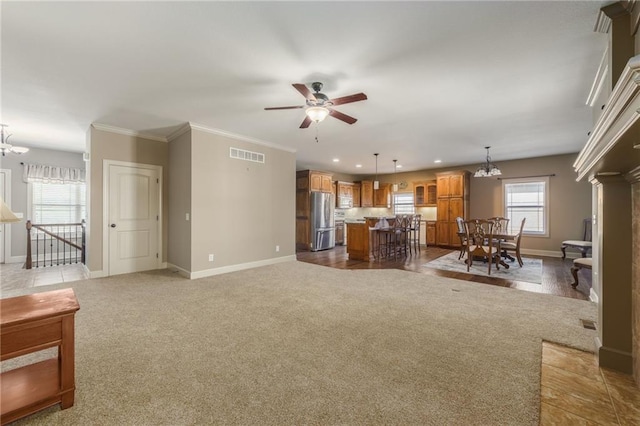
[240, 209]
[179, 249]
[103, 145]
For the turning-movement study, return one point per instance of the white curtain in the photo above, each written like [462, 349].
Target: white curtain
[52, 174]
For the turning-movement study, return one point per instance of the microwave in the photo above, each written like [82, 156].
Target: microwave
[345, 202]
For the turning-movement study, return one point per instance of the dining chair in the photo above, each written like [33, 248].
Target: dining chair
[462, 236]
[501, 226]
[480, 242]
[514, 245]
[583, 245]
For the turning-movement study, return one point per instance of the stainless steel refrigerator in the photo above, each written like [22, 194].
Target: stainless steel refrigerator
[322, 221]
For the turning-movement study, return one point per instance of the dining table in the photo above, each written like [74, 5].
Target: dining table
[503, 236]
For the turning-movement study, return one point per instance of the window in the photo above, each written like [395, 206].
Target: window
[57, 202]
[527, 198]
[403, 203]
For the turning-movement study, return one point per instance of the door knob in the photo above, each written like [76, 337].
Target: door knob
[113, 225]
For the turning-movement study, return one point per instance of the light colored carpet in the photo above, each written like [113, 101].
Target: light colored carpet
[531, 271]
[296, 343]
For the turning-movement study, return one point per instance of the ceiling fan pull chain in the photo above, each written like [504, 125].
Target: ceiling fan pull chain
[317, 126]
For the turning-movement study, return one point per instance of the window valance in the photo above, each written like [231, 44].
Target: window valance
[52, 174]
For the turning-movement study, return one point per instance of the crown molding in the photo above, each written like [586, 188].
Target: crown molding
[187, 127]
[179, 132]
[127, 132]
[231, 135]
[600, 78]
[603, 23]
[619, 114]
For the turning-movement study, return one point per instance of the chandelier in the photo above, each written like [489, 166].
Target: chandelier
[7, 147]
[488, 169]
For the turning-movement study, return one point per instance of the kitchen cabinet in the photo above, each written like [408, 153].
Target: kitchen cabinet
[431, 233]
[425, 194]
[339, 232]
[308, 181]
[382, 196]
[344, 195]
[356, 195]
[452, 202]
[318, 181]
[366, 193]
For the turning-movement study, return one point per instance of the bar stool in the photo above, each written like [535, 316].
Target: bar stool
[414, 232]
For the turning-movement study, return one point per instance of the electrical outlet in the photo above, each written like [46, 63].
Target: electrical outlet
[186, 216]
[210, 258]
[277, 248]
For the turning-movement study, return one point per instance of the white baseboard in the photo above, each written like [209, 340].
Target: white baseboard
[593, 296]
[549, 253]
[182, 272]
[234, 268]
[96, 274]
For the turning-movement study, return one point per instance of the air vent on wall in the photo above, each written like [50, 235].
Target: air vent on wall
[242, 154]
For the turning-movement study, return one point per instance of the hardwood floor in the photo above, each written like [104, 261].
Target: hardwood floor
[556, 273]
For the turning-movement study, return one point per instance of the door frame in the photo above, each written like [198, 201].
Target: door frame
[6, 235]
[106, 166]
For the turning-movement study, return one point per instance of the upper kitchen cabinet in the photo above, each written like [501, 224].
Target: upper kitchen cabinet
[425, 194]
[382, 196]
[344, 195]
[452, 184]
[356, 194]
[366, 193]
[314, 181]
[453, 202]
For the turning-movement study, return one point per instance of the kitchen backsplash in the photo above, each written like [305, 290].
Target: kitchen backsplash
[428, 213]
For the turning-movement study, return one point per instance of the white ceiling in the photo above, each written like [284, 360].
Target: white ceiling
[444, 79]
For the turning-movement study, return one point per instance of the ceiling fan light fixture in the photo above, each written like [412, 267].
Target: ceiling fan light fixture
[317, 113]
[7, 147]
[488, 169]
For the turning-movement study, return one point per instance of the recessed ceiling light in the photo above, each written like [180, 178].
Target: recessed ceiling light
[399, 166]
[359, 166]
[336, 160]
[437, 161]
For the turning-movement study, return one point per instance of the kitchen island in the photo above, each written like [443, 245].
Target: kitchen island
[361, 242]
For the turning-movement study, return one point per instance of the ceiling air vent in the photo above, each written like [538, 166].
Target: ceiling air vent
[242, 154]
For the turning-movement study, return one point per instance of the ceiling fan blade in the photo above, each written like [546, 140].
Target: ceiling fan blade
[305, 91]
[305, 123]
[348, 99]
[340, 116]
[287, 107]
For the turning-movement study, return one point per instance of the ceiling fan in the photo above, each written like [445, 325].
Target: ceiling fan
[318, 105]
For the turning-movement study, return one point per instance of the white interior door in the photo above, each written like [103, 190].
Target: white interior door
[133, 222]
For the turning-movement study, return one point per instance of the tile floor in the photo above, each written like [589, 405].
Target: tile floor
[573, 391]
[13, 277]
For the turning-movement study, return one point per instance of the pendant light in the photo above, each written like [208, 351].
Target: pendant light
[395, 185]
[376, 184]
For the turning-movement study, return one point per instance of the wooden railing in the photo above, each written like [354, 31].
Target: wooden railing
[55, 244]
